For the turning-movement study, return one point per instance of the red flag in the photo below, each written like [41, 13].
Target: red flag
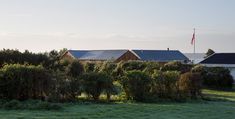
[193, 38]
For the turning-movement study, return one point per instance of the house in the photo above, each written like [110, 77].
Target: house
[99, 55]
[161, 55]
[125, 55]
[226, 60]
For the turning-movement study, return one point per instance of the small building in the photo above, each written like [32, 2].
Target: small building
[226, 60]
[161, 55]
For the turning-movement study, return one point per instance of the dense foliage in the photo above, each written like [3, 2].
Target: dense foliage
[216, 77]
[49, 60]
[24, 82]
[176, 66]
[44, 76]
[164, 84]
[190, 85]
[136, 85]
[75, 69]
[16, 57]
[93, 84]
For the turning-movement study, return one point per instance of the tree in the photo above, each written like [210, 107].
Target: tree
[94, 83]
[209, 53]
[137, 85]
[8, 56]
[108, 68]
[75, 69]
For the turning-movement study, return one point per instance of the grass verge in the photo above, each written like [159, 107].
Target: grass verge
[221, 107]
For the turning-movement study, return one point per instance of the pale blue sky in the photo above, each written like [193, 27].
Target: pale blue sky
[43, 25]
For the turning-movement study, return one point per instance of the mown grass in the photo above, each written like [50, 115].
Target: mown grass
[222, 106]
[220, 95]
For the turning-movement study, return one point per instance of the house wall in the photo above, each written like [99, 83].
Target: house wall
[127, 56]
[67, 57]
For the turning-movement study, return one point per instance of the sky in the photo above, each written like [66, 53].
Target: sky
[44, 25]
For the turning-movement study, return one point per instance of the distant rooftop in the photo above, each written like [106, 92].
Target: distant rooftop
[145, 55]
[97, 54]
[220, 58]
[160, 55]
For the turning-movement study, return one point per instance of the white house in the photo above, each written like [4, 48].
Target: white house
[226, 60]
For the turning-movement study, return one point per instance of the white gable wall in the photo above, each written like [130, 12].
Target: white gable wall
[232, 71]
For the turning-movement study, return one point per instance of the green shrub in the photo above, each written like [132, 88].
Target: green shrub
[176, 66]
[89, 67]
[190, 85]
[68, 90]
[65, 88]
[118, 71]
[133, 65]
[164, 84]
[108, 67]
[218, 77]
[199, 69]
[151, 67]
[75, 69]
[136, 85]
[24, 82]
[95, 83]
[215, 77]
[8, 56]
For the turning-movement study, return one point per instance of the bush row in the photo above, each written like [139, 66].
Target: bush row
[169, 85]
[140, 81]
[24, 82]
[216, 77]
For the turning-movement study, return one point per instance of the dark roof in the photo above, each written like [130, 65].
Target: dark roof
[77, 53]
[160, 55]
[220, 58]
[97, 54]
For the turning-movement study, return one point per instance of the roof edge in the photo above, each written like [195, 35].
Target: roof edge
[135, 54]
[207, 58]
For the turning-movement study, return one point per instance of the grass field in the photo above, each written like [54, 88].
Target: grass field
[222, 107]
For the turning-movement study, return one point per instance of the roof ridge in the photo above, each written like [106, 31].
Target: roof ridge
[225, 53]
[154, 50]
[103, 50]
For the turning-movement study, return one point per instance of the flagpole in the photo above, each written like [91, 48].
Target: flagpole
[194, 46]
[194, 50]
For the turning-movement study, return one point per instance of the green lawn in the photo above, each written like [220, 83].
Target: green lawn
[224, 108]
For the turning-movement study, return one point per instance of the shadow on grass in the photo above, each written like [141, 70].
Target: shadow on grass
[219, 95]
